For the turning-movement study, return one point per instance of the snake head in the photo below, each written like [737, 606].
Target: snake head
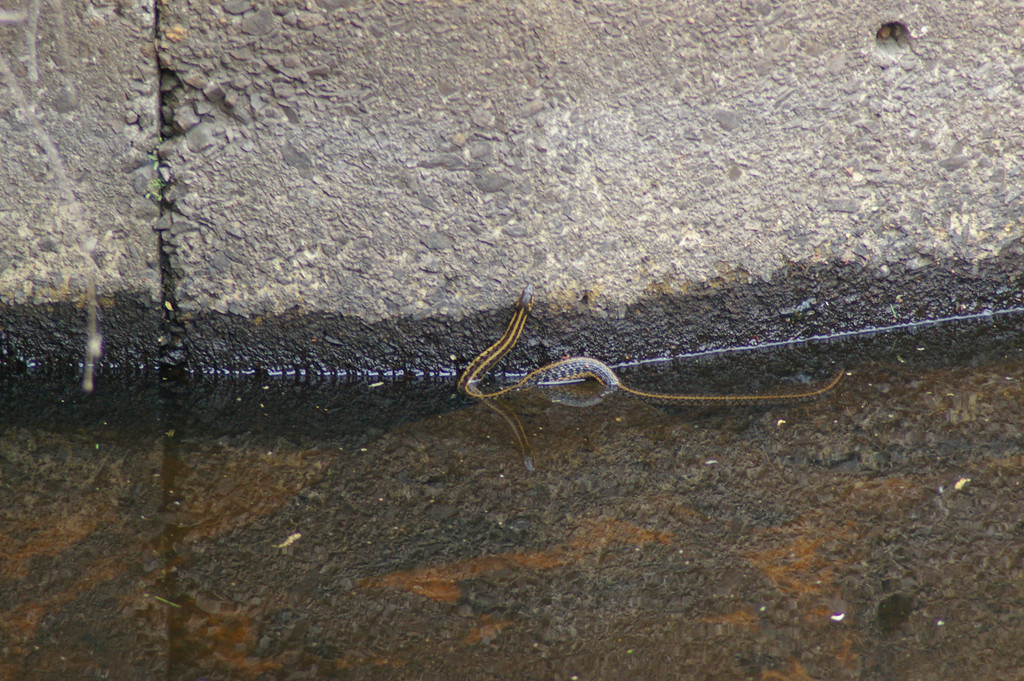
[526, 299]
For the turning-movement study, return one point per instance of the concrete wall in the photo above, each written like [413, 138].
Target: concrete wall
[78, 115]
[351, 182]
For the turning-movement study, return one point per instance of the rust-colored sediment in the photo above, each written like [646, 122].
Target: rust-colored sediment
[485, 630]
[440, 583]
[743, 618]
[793, 671]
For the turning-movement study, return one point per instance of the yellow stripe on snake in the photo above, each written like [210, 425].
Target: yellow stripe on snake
[581, 368]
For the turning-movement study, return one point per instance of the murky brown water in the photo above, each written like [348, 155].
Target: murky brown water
[246, 529]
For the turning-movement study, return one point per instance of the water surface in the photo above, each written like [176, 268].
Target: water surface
[310, 528]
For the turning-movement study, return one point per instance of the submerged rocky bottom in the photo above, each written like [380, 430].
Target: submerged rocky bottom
[317, 529]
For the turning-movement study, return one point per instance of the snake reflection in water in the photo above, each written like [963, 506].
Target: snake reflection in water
[581, 368]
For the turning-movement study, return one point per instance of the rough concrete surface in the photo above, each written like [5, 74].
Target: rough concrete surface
[78, 88]
[341, 170]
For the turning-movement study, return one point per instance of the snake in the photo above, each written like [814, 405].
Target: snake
[572, 369]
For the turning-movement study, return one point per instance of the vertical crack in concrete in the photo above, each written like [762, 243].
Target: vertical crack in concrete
[172, 357]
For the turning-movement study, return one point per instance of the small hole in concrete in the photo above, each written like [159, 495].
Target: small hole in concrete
[893, 32]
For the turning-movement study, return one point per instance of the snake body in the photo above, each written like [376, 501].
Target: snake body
[580, 368]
